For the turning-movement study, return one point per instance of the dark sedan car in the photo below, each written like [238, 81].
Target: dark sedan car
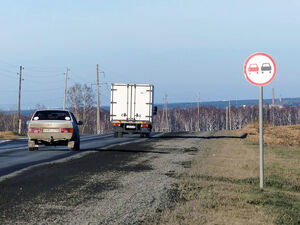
[266, 67]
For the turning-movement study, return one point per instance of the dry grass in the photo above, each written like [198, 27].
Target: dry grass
[274, 136]
[222, 187]
[8, 135]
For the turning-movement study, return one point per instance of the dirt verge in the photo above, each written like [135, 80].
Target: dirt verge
[222, 186]
[4, 135]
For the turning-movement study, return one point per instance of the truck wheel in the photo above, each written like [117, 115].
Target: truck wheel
[31, 149]
[142, 135]
[115, 134]
[120, 134]
[147, 135]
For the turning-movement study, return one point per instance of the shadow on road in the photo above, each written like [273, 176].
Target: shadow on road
[122, 151]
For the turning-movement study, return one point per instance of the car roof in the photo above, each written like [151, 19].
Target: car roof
[61, 110]
[66, 110]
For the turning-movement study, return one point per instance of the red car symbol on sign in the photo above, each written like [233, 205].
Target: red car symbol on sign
[253, 68]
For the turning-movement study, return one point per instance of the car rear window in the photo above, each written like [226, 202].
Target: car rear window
[52, 115]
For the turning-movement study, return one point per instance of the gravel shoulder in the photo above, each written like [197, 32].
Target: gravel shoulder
[125, 184]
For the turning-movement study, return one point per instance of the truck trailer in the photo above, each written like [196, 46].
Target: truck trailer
[131, 109]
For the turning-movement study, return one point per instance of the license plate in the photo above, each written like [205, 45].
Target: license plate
[50, 130]
[130, 126]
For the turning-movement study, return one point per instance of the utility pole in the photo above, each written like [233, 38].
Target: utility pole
[229, 115]
[19, 104]
[198, 105]
[280, 98]
[273, 97]
[226, 126]
[66, 80]
[165, 115]
[98, 104]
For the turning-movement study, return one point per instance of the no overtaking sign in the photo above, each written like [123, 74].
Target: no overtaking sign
[260, 69]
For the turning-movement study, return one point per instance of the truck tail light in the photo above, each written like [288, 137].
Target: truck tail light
[34, 130]
[117, 124]
[66, 130]
[145, 125]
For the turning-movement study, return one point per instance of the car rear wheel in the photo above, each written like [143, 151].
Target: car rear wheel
[74, 145]
[32, 145]
[77, 145]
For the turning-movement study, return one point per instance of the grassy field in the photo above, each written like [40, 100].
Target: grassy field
[8, 135]
[222, 185]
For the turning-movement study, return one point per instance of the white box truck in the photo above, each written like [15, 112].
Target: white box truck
[131, 109]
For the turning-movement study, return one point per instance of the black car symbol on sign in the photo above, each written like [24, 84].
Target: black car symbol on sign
[266, 67]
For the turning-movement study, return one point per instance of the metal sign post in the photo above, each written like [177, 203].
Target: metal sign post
[260, 70]
[261, 139]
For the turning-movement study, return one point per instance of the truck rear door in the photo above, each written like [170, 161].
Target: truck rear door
[142, 102]
[119, 109]
[131, 102]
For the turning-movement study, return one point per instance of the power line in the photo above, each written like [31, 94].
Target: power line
[10, 64]
[46, 75]
[43, 90]
[44, 71]
[8, 71]
[10, 77]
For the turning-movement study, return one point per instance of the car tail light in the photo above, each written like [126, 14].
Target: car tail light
[66, 130]
[145, 125]
[117, 124]
[34, 130]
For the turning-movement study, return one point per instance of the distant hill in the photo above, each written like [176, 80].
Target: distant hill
[234, 103]
[218, 104]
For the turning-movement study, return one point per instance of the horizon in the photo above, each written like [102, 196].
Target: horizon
[216, 103]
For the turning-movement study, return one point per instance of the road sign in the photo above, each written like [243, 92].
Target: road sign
[260, 69]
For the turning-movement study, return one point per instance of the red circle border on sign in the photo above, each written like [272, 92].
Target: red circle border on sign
[245, 69]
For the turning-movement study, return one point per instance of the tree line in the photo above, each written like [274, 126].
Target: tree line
[81, 101]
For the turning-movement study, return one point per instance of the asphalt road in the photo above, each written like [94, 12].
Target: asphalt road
[14, 154]
[117, 184]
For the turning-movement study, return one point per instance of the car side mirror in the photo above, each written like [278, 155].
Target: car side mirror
[155, 110]
[79, 123]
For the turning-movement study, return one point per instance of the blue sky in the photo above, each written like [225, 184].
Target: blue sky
[182, 47]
